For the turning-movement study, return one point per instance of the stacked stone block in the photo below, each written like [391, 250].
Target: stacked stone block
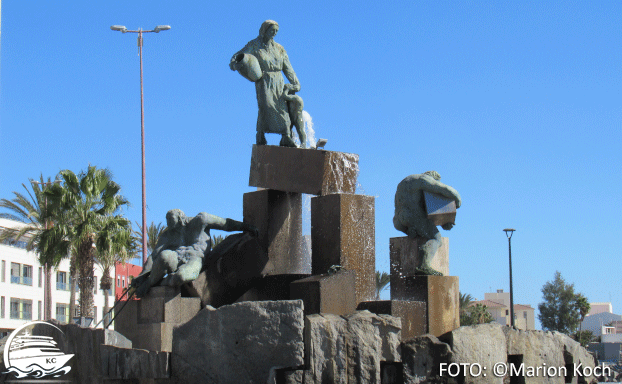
[440, 294]
[149, 322]
[342, 224]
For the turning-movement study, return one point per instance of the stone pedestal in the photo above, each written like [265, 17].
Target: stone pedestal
[316, 172]
[326, 293]
[343, 233]
[413, 314]
[278, 217]
[404, 256]
[149, 322]
[441, 295]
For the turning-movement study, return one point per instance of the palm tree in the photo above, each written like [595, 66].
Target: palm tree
[217, 239]
[584, 308]
[115, 243]
[382, 281]
[465, 300]
[32, 210]
[82, 205]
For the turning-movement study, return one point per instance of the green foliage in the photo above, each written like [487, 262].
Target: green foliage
[465, 300]
[382, 282]
[217, 240]
[562, 308]
[32, 209]
[85, 212]
[476, 314]
[584, 337]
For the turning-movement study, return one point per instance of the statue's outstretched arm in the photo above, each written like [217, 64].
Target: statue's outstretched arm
[434, 186]
[228, 225]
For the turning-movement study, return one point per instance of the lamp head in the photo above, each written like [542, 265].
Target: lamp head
[509, 232]
[120, 28]
[161, 28]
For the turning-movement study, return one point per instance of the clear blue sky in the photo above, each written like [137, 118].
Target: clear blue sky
[516, 104]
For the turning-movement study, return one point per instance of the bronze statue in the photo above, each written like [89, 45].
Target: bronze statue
[181, 248]
[411, 216]
[262, 60]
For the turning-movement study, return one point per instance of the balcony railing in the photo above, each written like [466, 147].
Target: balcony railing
[17, 315]
[60, 286]
[21, 280]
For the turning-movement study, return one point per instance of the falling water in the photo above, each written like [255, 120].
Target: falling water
[308, 121]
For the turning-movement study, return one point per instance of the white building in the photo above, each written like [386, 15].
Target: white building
[498, 305]
[599, 318]
[21, 286]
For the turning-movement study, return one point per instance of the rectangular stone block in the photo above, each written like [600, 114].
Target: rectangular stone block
[161, 304]
[412, 313]
[441, 295]
[326, 293]
[278, 217]
[404, 256]
[440, 209]
[156, 337]
[126, 319]
[343, 233]
[316, 172]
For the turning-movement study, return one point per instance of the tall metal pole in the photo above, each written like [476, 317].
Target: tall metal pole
[142, 144]
[509, 232]
[140, 32]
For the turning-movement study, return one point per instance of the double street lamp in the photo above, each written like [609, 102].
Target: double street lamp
[140, 32]
[509, 232]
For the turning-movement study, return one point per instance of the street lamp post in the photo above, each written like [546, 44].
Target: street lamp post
[509, 232]
[140, 32]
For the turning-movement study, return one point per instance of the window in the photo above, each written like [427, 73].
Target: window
[27, 274]
[507, 312]
[94, 316]
[3, 271]
[40, 277]
[39, 311]
[525, 314]
[62, 313]
[21, 309]
[123, 282]
[61, 281]
[118, 281]
[2, 307]
[21, 274]
[15, 277]
[95, 285]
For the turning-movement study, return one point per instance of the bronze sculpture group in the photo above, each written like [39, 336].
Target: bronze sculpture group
[182, 250]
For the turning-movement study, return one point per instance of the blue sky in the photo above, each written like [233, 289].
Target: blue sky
[516, 104]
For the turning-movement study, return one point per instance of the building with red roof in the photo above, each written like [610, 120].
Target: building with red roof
[498, 305]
